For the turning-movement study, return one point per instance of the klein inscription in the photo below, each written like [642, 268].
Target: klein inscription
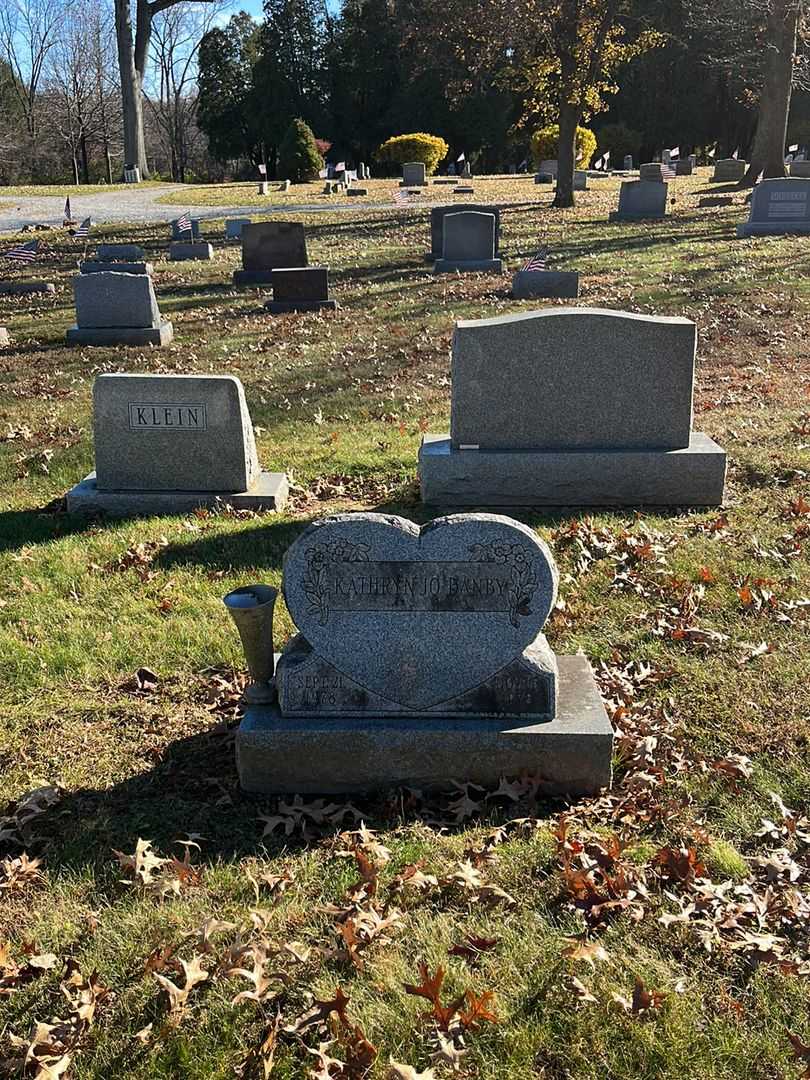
[151, 416]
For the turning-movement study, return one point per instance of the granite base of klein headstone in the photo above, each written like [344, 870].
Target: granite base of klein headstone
[413, 174]
[190, 251]
[26, 288]
[572, 407]
[420, 658]
[545, 284]
[728, 171]
[778, 207]
[113, 308]
[269, 246]
[468, 244]
[172, 443]
[234, 226]
[437, 216]
[641, 200]
[301, 288]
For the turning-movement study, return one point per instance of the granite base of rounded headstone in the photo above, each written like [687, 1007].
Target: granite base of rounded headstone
[420, 658]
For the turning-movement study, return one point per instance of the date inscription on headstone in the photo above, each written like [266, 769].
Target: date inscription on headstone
[182, 417]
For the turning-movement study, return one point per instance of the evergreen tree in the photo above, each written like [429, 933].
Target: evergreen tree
[227, 111]
[299, 157]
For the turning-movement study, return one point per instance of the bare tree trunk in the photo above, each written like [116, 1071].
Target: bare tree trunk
[768, 151]
[134, 146]
[566, 155]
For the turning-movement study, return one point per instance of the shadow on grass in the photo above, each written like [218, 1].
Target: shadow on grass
[22, 528]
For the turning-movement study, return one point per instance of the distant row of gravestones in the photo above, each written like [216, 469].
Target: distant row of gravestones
[557, 407]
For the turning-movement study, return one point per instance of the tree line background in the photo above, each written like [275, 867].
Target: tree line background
[218, 89]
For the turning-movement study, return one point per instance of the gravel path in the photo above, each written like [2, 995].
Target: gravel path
[134, 204]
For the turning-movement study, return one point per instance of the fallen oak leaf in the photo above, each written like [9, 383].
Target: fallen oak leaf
[398, 1071]
[472, 948]
[319, 1013]
[585, 950]
[581, 992]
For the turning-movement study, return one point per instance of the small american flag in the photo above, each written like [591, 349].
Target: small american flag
[68, 219]
[184, 222]
[84, 229]
[23, 253]
[538, 261]
[403, 195]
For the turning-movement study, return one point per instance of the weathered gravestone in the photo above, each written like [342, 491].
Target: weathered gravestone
[420, 658]
[800, 169]
[437, 216]
[652, 172]
[778, 206]
[468, 243]
[728, 170]
[413, 175]
[572, 407]
[234, 226]
[191, 251]
[121, 258]
[117, 309]
[640, 200]
[170, 443]
[302, 288]
[269, 246]
[684, 167]
[628, 162]
[548, 167]
[539, 284]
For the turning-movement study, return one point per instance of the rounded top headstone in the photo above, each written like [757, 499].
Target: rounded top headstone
[419, 615]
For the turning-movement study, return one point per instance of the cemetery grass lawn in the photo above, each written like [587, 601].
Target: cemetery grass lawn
[64, 190]
[704, 613]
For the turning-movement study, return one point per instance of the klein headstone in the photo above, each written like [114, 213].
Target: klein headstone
[437, 216]
[269, 246]
[413, 174]
[778, 207]
[468, 243]
[117, 309]
[301, 288]
[171, 443]
[420, 658]
[641, 200]
[728, 171]
[572, 407]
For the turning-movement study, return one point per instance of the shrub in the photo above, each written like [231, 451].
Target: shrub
[429, 149]
[620, 140]
[298, 155]
[545, 145]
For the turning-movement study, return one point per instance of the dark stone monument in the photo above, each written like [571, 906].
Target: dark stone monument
[269, 246]
[301, 288]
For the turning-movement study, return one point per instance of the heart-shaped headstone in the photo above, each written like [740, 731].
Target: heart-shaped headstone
[419, 616]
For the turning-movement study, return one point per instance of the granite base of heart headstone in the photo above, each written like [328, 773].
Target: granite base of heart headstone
[641, 200]
[540, 284]
[190, 251]
[26, 288]
[420, 658]
[572, 407]
[269, 246]
[779, 207]
[167, 444]
[468, 243]
[114, 308]
[302, 288]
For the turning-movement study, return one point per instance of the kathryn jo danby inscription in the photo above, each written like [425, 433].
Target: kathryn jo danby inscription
[498, 577]
[184, 417]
